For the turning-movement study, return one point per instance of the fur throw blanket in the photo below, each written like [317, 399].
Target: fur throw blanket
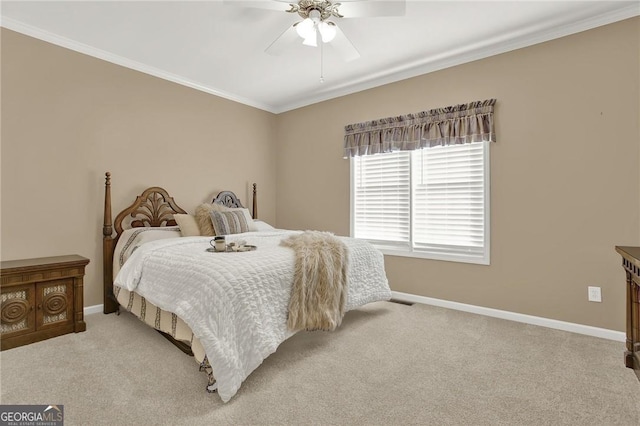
[319, 292]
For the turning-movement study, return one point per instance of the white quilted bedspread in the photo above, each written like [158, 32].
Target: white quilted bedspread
[236, 303]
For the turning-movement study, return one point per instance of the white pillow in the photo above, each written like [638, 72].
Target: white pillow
[262, 225]
[188, 225]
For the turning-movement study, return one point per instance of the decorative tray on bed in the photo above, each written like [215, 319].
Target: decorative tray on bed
[234, 249]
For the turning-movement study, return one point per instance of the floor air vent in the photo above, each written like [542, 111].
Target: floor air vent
[401, 302]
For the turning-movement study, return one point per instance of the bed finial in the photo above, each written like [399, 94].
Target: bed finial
[107, 229]
[255, 201]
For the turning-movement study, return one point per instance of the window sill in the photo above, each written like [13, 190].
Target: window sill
[432, 256]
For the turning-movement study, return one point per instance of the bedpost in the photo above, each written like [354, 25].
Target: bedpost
[255, 201]
[109, 303]
[107, 228]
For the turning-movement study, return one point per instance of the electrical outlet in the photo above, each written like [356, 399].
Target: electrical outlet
[595, 294]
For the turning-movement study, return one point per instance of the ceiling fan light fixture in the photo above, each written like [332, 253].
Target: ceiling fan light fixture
[311, 41]
[315, 16]
[327, 31]
[306, 29]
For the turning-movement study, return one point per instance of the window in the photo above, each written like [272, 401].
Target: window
[431, 203]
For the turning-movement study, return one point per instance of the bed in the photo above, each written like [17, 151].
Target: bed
[228, 310]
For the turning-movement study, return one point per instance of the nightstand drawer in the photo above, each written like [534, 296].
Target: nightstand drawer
[18, 315]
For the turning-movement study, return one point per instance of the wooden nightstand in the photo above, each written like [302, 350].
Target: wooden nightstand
[41, 298]
[631, 264]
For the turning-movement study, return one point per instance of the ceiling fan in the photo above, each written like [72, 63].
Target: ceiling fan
[316, 28]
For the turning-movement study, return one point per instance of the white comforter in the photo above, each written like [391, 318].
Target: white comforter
[236, 303]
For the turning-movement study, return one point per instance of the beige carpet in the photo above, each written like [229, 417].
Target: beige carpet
[387, 364]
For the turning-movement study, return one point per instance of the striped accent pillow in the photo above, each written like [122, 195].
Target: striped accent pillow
[231, 222]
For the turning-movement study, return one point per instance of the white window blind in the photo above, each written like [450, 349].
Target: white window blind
[431, 203]
[382, 203]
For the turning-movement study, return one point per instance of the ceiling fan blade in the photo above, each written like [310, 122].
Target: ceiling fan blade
[341, 44]
[284, 41]
[278, 5]
[372, 8]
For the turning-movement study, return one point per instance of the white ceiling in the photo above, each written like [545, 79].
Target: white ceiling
[219, 48]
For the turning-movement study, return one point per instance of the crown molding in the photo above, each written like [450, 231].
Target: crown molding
[504, 43]
[67, 43]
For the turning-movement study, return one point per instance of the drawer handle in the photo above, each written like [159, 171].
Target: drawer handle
[39, 306]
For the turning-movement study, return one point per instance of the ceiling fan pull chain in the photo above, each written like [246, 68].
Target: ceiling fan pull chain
[321, 62]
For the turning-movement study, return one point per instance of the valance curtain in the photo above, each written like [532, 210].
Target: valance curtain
[459, 124]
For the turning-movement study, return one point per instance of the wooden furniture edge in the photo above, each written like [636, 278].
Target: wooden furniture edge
[41, 263]
[631, 265]
[42, 270]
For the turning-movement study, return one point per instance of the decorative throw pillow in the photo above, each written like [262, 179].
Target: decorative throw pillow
[229, 222]
[247, 215]
[203, 217]
[188, 225]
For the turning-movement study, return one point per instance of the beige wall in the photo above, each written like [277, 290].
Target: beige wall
[67, 118]
[565, 187]
[564, 179]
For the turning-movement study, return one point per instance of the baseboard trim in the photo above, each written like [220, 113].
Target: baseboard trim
[588, 330]
[95, 309]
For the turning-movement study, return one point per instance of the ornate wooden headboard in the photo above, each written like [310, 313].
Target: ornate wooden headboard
[153, 208]
[229, 199]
